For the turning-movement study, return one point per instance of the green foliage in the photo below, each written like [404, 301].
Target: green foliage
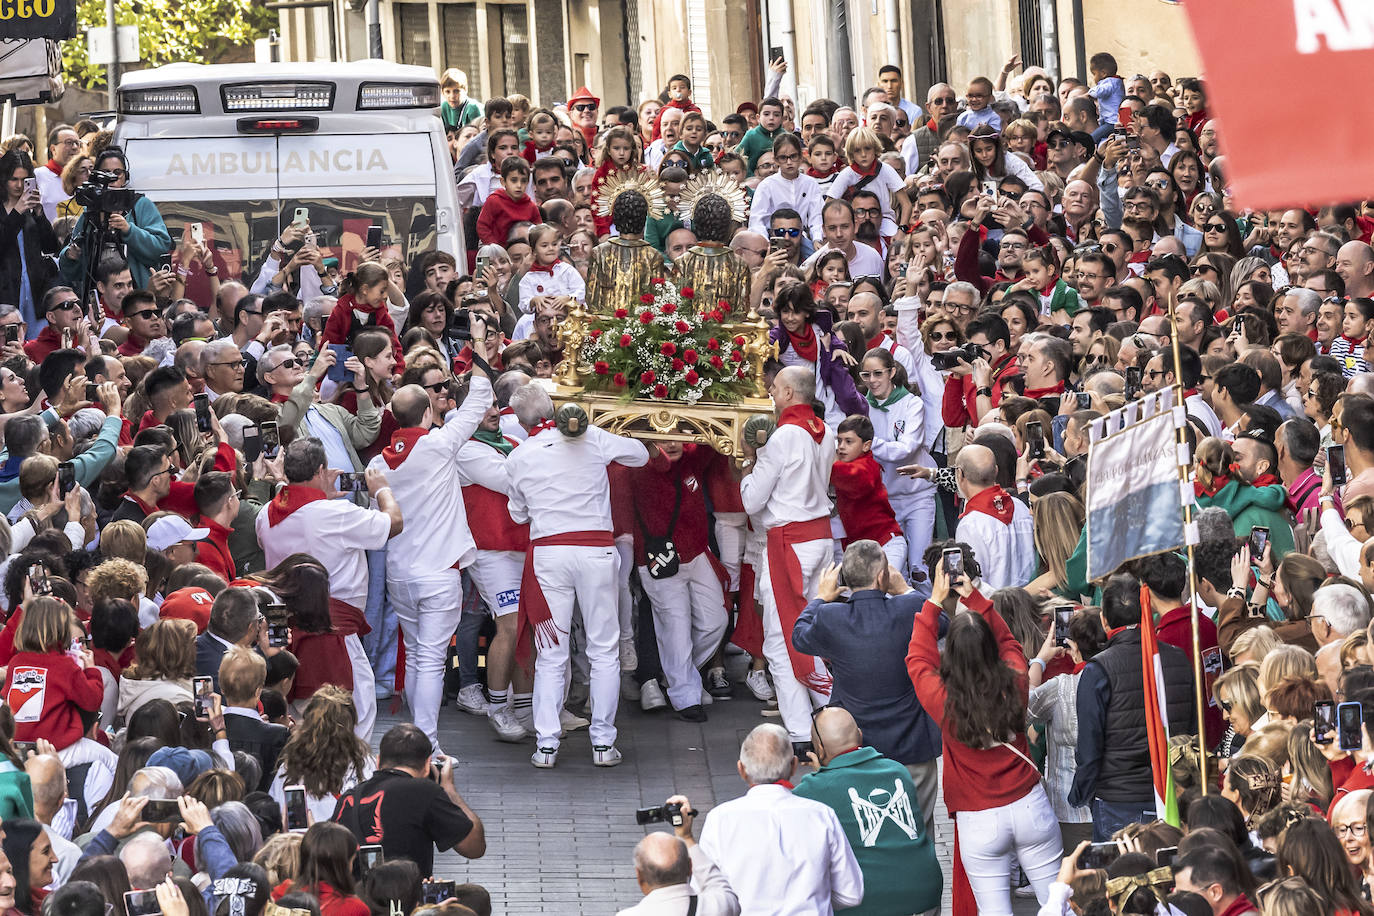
[199, 31]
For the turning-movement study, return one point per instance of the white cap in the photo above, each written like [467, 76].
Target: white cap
[173, 529]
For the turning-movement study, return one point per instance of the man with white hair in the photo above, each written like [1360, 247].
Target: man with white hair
[995, 524]
[781, 853]
[558, 484]
[1337, 611]
[221, 365]
[785, 488]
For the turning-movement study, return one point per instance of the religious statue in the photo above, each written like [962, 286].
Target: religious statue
[622, 267]
[713, 202]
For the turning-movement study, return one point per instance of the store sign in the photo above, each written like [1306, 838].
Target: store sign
[54, 19]
[1281, 70]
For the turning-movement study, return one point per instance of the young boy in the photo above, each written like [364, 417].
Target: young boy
[508, 205]
[823, 161]
[979, 109]
[759, 140]
[679, 97]
[457, 109]
[1108, 90]
[692, 132]
[860, 496]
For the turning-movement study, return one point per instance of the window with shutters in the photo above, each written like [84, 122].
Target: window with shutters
[699, 55]
[515, 48]
[412, 34]
[459, 24]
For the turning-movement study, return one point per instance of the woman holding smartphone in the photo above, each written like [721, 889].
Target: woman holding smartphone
[27, 241]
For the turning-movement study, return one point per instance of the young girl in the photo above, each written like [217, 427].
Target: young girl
[1261, 502]
[832, 267]
[898, 417]
[620, 151]
[549, 276]
[1058, 299]
[787, 188]
[543, 126]
[804, 338]
[992, 163]
[362, 305]
[52, 684]
[866, 173]
[1356, 324]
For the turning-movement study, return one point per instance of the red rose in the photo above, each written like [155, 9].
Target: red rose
[689, 356]
[619, 380]
[682, 327]
[736, 356]
[713, 344]
[692, 377]
[596, 332]
[621, 313]
[602, 367]
[722, 304]
[717, 362]
[657, 281]
[626, 340]
[739, 340]
[646, 317]
[646, 298]
[686, 292]
[648, 377]
[668, 308]
[716, 316]
[739, 373]
[668, 348]
[725, 307]
[660, 391]
[677, 365]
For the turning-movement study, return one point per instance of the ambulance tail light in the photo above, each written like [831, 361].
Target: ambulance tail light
[162, 100]
[278, 125]
[282, 96]
[373, 96]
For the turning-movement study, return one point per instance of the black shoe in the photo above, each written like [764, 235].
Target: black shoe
[692, 713]
[801, 749]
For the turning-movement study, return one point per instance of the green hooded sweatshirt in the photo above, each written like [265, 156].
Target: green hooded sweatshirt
[1252, 507]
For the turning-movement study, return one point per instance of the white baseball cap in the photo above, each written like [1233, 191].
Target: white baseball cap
[171, 530]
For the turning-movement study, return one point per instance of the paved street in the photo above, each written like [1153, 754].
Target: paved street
[559, 842]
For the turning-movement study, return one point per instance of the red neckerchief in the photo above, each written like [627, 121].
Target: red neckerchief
[805, 345]
[1189, 393]
[803, 416]
[932, 125]
[1056, 388]
[541, 269]
[878, 341]
[507, 411]
[870, 171]
[147, 509]
[1118, 630]
[402, 443]
[1218, 482]
[541, 426]
[1353, 342]
[292, 497]
[1265, 480]
[1078, 668]
[993, 501]
[834, 168]
[280, 398]
[1138, 257]
[1049, 289]
[54, 167]
[1312, 334]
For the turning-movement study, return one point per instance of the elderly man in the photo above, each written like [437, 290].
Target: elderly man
[279, 371]
[995, 524]
[1355, 264]
[340, 431]
[669, 868]
[751, 246]
[1296, 312]
[583, 108]
[780, 853]
[1080, 206]
[222, 367]
[63, 144]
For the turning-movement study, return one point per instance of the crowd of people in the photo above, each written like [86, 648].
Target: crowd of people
[240, 511]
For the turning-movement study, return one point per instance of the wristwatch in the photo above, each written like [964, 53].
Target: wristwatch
[984, 392]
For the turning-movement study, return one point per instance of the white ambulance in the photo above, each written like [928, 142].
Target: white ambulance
[240, 148]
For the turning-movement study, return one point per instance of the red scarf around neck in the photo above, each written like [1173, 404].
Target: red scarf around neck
[803, 416]
[879, 340]
[292, 497]
[868, 172]
[541, 426]
[1218, 482]
[1056, 388]
[544, 268]
[805, 344]
[993, 501]
[1265, 480]
[817, 173]
[402, 444]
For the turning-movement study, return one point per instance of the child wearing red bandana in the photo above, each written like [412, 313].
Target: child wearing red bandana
[549, 276]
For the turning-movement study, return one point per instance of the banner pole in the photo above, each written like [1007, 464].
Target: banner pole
[1181, 440]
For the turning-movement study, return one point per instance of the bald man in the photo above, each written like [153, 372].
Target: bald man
[48, 778]
[785, 488]
[424, 561]
[1355, 264]
[995, 524]
[667, 864]
[876, 802]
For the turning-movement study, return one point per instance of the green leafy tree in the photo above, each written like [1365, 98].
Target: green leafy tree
[199, 31]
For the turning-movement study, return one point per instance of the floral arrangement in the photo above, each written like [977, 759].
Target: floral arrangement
[666, 350]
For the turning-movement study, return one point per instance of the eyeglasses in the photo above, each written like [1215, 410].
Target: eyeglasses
[238, 364]
[1111, 247]
[586, 106]
[1225, 705]
[786, 157]
[903, 122]
[437, 387]
[786, 233]
[943, 335]
[167, 470]
[1008, 243]
[943, 100]
[67, 305]
[1356, 829]
[865, 212]
[1059, 144]
[288, 363]
[876, 373]
[1197, 269]
[145, 314]
[1159, 184]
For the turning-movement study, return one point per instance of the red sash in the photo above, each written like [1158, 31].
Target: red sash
[535, 617]
[784, 569]
[347, 620]
[748, 633]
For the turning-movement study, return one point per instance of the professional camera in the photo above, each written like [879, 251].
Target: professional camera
[97, 195]
[672, 813]
[948, 359]
[459, 327]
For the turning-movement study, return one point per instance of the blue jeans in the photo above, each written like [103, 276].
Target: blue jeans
[380, 644]
[469, 633]
[1109, 817]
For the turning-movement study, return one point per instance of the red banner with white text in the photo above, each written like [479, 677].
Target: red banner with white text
[1288, 81]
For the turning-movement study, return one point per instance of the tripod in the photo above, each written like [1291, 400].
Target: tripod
[95, 234]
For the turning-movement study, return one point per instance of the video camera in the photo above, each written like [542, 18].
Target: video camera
[948, 359]
[97, 195]
[672, 813]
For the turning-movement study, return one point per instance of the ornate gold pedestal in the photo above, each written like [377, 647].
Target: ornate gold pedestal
[717, 425]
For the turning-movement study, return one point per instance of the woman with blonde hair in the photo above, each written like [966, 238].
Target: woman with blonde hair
[280, 857]
[75, 173]
[1283, 662]
[166, 662]
[1237, 693]
[323, 753]
[1058, 519]
[125, 540]
[1309, 773]
[1251, 646]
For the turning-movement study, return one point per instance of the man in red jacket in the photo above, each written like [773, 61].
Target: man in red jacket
[218, 503]
[62, 309]
[973, 389]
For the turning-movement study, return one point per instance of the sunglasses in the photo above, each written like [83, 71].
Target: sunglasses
[438, 387]
[943, 335]
[786, 233]
[1215, 227]
[67, 305]
[145, 314]
[586, 106]
[288, 363]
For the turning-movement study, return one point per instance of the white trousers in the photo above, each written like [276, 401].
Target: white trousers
[364, 686]
[428, 609]
[895, 550]
[988, 839]
[731, 530]
[795, 700]
[916, 515]
[689, 620]
[100, 776]
[585, 576]
[496, 573]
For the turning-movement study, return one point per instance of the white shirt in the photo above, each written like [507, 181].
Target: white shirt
[50, 190]
[931, 381]
[884, 185]
[477, 186]
[337, 533]
[713, 893]
[563, 280]
[783, 854]
[802, 194]
[898, 440]
[425, 484]
[864, 262]
[791, 478]
[654, 153]
[510, 426]
[321, 806]
[1197, 407]
[335, 451]
[1006, 553]
[559, 484]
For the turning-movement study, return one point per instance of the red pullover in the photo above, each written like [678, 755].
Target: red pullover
[47, 691]
[861, 500]
[500, 212]
[340, 323]
[653, 492]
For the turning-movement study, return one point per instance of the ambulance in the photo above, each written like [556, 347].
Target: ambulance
[245, 149]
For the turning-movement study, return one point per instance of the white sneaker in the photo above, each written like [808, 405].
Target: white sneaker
[629, 688]
[472, 699]
[605, 755]
[506, 726]
[569, 721]
[757, 682]
[545, 758]
[651, 696]
[706, 698]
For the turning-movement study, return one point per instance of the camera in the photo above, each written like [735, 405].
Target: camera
[948, 359]
[97, 195]
[459, 327]
[672, 813]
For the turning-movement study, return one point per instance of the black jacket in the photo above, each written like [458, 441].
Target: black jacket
[259, 739]
[40, 245]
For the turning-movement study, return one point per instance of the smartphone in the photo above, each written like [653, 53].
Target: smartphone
[202, 405]
[370, 857]
[481, 269]
[1164, 858]
[38, 581]
[1323, 721]
[11, 333]
[22, 748]
[66, 478]
[1335, 463]
[1132, 382]
[1132, 143]
[201, 688]
[297, 818]
[271, 444]
[1084, 400]
[374, 237]
[953, 560]
[1063, 614]
[352, 482]
[161, 811]
[1259, 538]
[92, 392]
[436, 891]
[1099, 855]
[1125, 116]
[30, 185]
[252, 444]
[1349, 722]
[338, 372]
[302, 216]
[775, 53]
[141, 903]
[198, 233]
[776, 244]
[1035, 440]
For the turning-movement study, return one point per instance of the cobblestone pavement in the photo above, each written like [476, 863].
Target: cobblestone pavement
[560, 842]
